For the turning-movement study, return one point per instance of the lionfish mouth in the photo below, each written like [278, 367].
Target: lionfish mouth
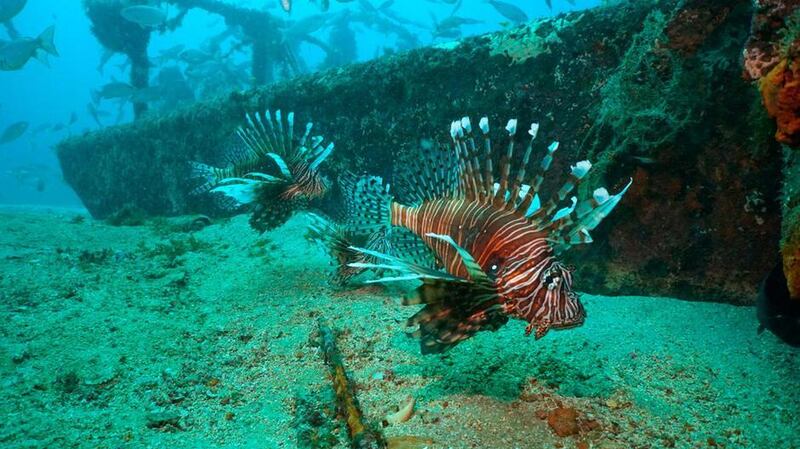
[551, 305]
[542, 326]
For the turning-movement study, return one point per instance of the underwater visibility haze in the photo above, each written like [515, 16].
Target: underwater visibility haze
[400, 224]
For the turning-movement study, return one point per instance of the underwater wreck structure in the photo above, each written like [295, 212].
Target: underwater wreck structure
[258, 31]
[652, 90]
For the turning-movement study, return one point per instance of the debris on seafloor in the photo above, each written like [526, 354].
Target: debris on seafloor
[403, 414]
[563, 421]
[362, 436]
[315, 422]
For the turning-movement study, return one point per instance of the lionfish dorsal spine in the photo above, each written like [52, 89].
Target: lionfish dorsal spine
[316, 141]
[474, 160]
[477, 168]
[267, 130]
[468, 161]
[542, 210]
[320, 155]
[473, 172]
[530, 199]
[505, 165]
[302, 143]
[544, 166]
[457, 133]
[289, 129]
[591, 219]
[516, 187]
[574, 228]
[488, 170]
[279, 131]
[577, 172]
[250, 143]
[263, 135]
[262, 143]
[283, 167]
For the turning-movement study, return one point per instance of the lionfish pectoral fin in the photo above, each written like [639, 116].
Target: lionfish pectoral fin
[387, 279]
[242, 193]
[474, 270]
[410, 247]
[406, 267]
[453, 312]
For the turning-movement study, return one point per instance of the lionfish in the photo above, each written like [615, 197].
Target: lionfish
[273, 172]
[483, 250]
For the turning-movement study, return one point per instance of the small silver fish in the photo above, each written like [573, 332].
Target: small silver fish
[114, 90]
[509, 11]
[10, 8]
[13, 132]
[145, 16]
[15, 54]
[194, 56]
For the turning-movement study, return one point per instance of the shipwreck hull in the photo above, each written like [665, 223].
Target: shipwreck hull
[648, 90]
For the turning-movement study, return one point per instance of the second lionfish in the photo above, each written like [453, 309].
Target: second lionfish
[484, 250]
[273, 172]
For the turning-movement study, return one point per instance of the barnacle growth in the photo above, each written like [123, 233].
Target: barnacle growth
[780, 90]
[528, 41]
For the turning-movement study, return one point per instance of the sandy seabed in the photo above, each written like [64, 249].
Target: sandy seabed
[157, 337]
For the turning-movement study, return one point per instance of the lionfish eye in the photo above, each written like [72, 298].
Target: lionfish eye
[551, 278]
[494, 267]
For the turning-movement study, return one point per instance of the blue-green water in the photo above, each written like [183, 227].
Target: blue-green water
[172, 329]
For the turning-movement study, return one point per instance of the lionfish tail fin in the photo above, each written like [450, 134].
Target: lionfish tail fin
[447, 319]
[334, 239]
[368, 205]
[207, 174]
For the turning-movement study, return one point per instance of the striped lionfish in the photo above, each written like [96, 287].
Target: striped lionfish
[493, 244]
[274, 172]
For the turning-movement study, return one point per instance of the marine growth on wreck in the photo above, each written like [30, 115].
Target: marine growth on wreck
[382, 224]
